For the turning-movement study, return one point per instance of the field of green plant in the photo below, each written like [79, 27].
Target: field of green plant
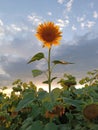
[67, 108]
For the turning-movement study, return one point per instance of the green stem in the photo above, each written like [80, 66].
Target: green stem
[49, 70]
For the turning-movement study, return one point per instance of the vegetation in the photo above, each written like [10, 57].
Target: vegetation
[67, 108]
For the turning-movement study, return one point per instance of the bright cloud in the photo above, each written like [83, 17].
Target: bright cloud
[1, 28]
[1, 32]
[95, 14]
[74, 28]
[82, 25]
[16, 28]
[88, 24]
[1, 22]
[49, 13]
[81, 19]
[3, 73]
[60, 1]
[69, 5]
[62, 23]
[35, 19]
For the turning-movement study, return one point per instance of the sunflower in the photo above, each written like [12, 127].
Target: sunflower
[56, 112]
[91, 111]
[49, 34]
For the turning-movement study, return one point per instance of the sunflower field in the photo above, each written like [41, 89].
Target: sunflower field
[65, 108]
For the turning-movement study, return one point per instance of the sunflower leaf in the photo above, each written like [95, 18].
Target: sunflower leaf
[36, 72]
[53, 78]
[61, 62]
[37, 56]
[46, 82]
[50, 126]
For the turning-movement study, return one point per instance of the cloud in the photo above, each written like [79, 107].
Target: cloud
[69, 5]
[35, 19]
[20, 44]
[15, 69]
[49, 13]
[83, 54]
[87, 24]
[82, 50]
[62, 23]
[74, 28]
[1, 22]
[60, 1]
[95, 14]
[81, 19]
[16, 28]
[3, 73]
[90, 24]
[82, 25]
[18, 40]
[1, 32]
[1, 28]
[17, 46]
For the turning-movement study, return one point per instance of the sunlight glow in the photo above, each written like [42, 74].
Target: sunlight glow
[7, 91]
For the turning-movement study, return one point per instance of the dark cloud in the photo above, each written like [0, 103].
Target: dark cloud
[15, 69]
[83, 51]
[84, 54]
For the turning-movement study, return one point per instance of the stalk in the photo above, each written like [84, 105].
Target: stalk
[49, 70]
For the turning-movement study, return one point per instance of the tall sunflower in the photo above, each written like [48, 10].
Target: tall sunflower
[49, 34]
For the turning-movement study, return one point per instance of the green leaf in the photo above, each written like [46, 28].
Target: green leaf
[56, 93]
[53, 78]
[61, 62]
[37, 126]
[38, 56]
[63, 127]
[28, 98]
[27, 123]
[76, 103]
[3, 128]
[44, 96]
[36, 72]
[50, 126]
[35, 111]
[46, 82]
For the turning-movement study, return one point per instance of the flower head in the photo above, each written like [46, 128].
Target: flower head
[56, 112]
[49, 34]
[91, 111]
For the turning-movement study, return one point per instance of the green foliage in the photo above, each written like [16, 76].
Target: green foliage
[50, 126]
[30, 125]
[47, 82]
[61, 62]
[62, 109]
[67, 81]
[36, 72]
[91, 79]
[27, 99]
[37, 56]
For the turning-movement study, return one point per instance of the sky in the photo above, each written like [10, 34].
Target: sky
[78, 21]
